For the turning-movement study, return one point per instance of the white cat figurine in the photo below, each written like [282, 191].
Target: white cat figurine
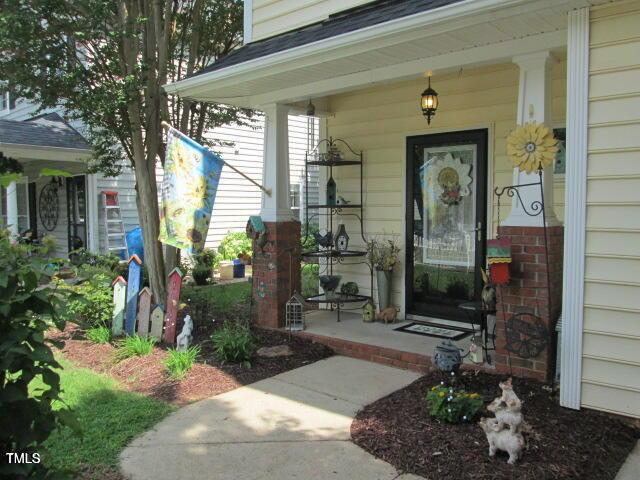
[504, 440]
[184, 339]
[508, 395]
[507, 414]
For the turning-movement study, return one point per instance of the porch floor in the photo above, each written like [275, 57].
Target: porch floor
[375, 341]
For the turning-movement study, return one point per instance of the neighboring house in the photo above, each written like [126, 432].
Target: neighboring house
[496, 64]
[47, 141]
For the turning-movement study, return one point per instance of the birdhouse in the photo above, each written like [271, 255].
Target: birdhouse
[368, 311]
[342, 239]
[294, 315]
[499, 260]
[255, 226]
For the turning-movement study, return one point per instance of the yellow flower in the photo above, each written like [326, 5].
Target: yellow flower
[433, 388]
[441, 394]
[474, 395]
[531, 146]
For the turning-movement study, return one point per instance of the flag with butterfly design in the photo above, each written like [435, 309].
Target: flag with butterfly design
[191, 177]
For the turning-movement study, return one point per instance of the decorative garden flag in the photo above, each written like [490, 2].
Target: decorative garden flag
[134, 278]
[119, 301]
[144, 310]
[191, 176]
[173, 305]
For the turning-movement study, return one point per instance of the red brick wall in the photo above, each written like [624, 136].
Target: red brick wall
[276, 273]
[527, 292]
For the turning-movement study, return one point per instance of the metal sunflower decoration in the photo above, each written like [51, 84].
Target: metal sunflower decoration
[532, 146]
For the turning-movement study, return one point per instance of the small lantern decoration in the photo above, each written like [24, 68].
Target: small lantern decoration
[342, 239]
[294, 318]
[447, 356]
[368, 311]
[331, 191]
[499, 258]
[429, 102]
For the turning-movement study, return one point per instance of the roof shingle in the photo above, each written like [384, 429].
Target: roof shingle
[366, 15]
[48, 130]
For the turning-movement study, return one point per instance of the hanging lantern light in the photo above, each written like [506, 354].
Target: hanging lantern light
[429, 102]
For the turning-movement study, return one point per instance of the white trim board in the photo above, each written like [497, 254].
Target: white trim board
[575, 208]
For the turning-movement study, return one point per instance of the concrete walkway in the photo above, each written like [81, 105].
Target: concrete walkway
[295, 425]
[631, 468]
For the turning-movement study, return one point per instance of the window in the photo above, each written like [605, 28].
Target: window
[7, 98]
[560, 165]
[294, 196]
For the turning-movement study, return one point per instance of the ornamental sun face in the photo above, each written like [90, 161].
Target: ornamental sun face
[531, 146]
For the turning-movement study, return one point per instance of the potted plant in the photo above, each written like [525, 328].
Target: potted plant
[203, 264]
[383, 255]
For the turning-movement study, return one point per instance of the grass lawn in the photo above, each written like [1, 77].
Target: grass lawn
[110, 417]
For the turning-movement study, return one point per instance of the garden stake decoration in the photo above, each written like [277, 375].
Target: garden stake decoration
[157, 322]
[173, 305]
[119, 301]
[134, 277]
[144, 311]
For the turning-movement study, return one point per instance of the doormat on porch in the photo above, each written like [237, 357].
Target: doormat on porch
[433, 331]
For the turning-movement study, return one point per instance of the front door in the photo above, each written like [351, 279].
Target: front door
[77, 212]
[446, 217]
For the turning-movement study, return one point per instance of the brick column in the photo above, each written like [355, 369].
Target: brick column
[276, 273]
[527, 293]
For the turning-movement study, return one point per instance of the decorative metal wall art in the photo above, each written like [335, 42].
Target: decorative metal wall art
[48, 205]
[531, 146]
[527, 335]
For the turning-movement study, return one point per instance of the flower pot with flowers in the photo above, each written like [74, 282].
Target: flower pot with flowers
[383, 255]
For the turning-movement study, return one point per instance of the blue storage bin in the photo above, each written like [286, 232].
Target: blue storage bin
[135, 245]
[238, 268]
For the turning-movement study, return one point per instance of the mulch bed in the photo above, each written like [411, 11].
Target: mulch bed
[207, 377]
[562, 443]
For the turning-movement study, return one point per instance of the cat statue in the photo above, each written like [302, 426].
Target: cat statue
[387, 315]
[507, 414]
[504, 440]
[184, 339]
[508, 395]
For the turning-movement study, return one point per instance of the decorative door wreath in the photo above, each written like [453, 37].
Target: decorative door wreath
[48, 203]
[450, 179]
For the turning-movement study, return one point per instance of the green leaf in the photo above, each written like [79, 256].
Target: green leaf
[54, 172]
[6, 180]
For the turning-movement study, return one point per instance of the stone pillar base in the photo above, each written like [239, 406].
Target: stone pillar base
[276, 273]
[526, 294]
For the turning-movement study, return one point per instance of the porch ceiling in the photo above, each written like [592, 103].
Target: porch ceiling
[467, 33]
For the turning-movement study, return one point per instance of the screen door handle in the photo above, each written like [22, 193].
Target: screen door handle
[478, 231]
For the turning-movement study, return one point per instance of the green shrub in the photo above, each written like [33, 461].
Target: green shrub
[179, 363]
[233, 343]
[233, 244]
[216, 301]
[452, 405]
[134, 346]
[83, 256]
[307, 238]
[29, 306]
[99, 335]
[310, 279]
[94, 304]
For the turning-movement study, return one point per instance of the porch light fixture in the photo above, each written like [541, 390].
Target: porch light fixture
[429, 102]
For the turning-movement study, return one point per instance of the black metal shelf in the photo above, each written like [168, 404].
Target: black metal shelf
[330, 153]
[337, 207]
[334, 163]
[334, 254]
[337, 298]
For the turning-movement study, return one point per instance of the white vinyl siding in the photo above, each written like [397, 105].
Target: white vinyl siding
[271, 17]
[611, 340]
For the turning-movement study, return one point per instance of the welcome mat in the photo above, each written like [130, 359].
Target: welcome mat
[434, 331]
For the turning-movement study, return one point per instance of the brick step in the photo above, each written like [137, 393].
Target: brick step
[373, 353]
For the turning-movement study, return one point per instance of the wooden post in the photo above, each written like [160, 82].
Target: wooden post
[173, 304]
[119, 300]
[144, 310]
[157, 321]
[135, 274]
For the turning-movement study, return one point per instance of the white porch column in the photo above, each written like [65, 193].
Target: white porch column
[534, 104]
[275, 168]
[12, 209]
[93, 240]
